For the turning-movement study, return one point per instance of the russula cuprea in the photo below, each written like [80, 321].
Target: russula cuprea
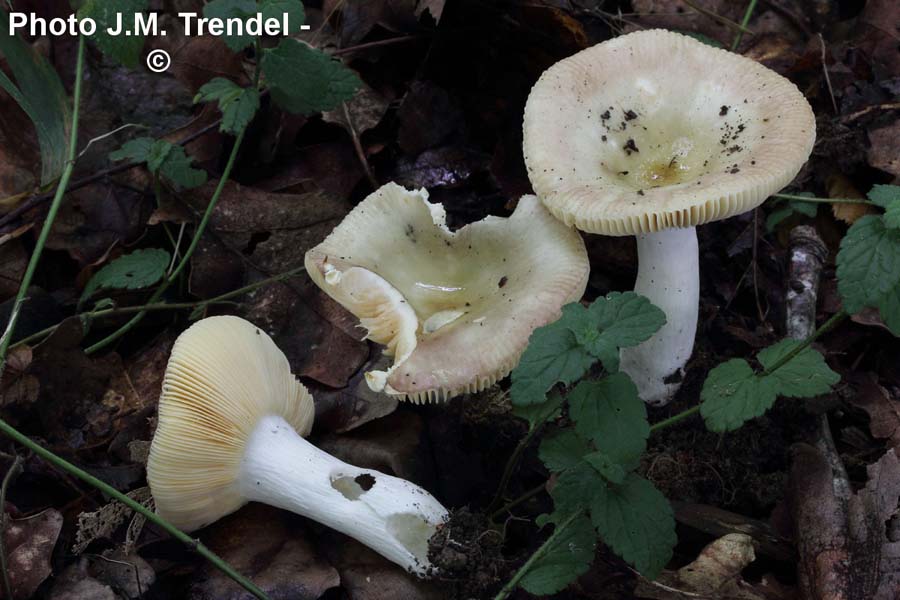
[651, 134]
[232, 419]
[454, 309]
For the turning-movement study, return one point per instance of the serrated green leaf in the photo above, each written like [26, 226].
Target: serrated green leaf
[178, 170]
[41, 95]
[733, 394]
[303, 80]
[574, 490]
[568, 556]
[868, 263]
[238, 105]
[553, 356]
[884, 195]
[159, 153]
[275, 9]
[124, 49]
[804, 376]
[562, 450]
[607, 466]
[610, 414]
[538, 414]
[621, 320]
[137, 150]
[133, 271]
[637, 522]
[233, 9]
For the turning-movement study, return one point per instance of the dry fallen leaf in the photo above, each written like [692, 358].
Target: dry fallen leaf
[29, 546]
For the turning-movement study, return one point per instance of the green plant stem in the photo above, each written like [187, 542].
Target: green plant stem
[133, 505]
[125, 310]
[816, 200]
[538, 554]
[744, 22]
[674, 419]
[173, 276]
[511, 465]
[10, 475]
[827, 326]
[513, 503]
[51, 214]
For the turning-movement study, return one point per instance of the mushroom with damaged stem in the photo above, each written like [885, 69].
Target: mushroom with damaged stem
[455, 309]
[231, 423]
[651, 134]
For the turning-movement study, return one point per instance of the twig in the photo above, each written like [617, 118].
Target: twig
[378, 44]
[747, 14]
[523, 498]
[10, 475]
[512, 463]
[51, 216]
[126, 310]
[807, 255]
[827, 76]
[755, 262]
[717, 17]
[357, 145]
[816, 200]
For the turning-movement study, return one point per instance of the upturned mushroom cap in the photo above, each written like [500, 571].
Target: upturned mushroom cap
[223, 376]
[455, 309]
[655, 129]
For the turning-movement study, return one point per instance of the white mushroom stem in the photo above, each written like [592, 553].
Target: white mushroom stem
[389, 515]
[668, 275]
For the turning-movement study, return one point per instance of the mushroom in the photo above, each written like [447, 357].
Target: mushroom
[651, 134]
[232, 419]
[454, 309]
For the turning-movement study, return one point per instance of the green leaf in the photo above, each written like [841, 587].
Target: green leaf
[233, 9]
[789, 208]
[137, 150]
[574, 490]
[563, 450]
[884, 195]
[637, 522]
[124, 49]
[275, 9]
[538, 414]
[41, 95]
[566, 558]
[304, 80]
[164, 158]
[804, 376]
[889, 307]
[733, 394]
[607, 466]
[868, 263]
[618, 321]
[133, 271]
[553, 356]
[777, 216]
[610, 414]
[238, 105]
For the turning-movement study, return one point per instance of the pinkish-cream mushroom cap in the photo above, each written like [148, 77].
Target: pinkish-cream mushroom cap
[454, 309]
[655, 129]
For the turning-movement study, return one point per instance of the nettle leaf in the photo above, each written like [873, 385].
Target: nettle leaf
[125, 49]
[804, 376]
[238, 104]
[733, 394]
[574, 490]
[538, 414]
[140, 269]
[564, 560]
[276, 9]
[617, 321]
[610, 414]
[553, 356]
[304, 80]
[868, 263]
[563, 450]
[637, 522]
[884, 195]
[607, 466]
[233, 9]
[162, 157]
